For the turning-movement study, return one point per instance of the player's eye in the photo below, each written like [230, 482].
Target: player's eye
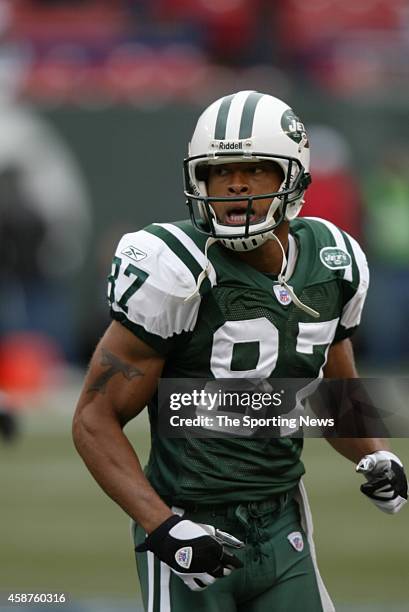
[221, 171]
[256, 170]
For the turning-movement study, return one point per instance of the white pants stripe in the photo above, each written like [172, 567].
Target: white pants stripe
[151, 579]
[164, 581]
[307, 525]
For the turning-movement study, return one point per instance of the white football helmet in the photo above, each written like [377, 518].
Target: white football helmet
[247, 126]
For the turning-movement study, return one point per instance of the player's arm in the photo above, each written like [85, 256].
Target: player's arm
[122, 377]
[386, 482]
[341, 364]
[150, 310]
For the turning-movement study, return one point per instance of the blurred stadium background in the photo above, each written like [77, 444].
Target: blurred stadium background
[97, 102]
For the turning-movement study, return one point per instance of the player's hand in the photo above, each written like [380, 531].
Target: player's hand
[195, 552]
[387, 485]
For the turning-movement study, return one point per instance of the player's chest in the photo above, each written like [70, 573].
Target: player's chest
[260, 333]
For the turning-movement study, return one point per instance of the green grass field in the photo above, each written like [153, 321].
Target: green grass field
[60, 533]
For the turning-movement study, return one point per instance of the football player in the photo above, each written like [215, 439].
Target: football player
[242, 290]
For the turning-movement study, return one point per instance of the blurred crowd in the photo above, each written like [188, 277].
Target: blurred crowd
[139, 50]
[101, 53]
[374, 208]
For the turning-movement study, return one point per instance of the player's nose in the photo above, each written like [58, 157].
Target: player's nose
[238, 185]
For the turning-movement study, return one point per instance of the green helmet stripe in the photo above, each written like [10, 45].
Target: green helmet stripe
[221, 120]
[247, 117]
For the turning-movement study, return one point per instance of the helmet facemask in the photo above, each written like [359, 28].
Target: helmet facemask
[285, 202]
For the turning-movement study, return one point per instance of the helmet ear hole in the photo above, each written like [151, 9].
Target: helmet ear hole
[280, 171]
[202, 172]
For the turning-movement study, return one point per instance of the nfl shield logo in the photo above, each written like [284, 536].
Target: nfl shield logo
[183, 556]
[282, 295]
[296, 541]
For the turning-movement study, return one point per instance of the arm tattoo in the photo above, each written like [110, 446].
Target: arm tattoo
[114, 366]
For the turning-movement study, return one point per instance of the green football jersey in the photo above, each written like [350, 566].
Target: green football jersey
[233, 321]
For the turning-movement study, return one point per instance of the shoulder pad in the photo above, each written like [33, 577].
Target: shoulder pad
[154, 279]
[341, 253]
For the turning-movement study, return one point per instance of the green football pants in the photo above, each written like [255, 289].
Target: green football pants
[279, 573]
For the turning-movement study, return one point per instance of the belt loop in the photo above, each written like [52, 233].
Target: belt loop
[283, 501]
[252, 508]
[242, 514]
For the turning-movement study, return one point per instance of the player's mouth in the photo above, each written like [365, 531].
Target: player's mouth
[238, 216]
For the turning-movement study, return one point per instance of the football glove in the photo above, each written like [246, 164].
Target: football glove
[193, 551]
[387, 486]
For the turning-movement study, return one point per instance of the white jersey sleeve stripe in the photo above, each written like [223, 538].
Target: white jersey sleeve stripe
[159, 258]
[191, 247]
[351, 315]
[158, 305]
[339, 241]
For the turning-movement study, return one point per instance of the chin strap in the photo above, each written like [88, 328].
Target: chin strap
[204, 273]
[281, 277]
[282, 280]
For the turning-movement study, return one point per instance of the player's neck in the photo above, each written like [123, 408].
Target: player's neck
[268, 257]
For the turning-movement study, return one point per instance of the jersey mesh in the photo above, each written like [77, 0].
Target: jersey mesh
[240, 469]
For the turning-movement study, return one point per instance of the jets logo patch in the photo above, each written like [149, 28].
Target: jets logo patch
[183, 557]
[134, 253]
[296, 540]
[335, 258]
[293, 127]
[282, 294]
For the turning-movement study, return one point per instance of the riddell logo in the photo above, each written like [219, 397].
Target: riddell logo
[230, 146]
